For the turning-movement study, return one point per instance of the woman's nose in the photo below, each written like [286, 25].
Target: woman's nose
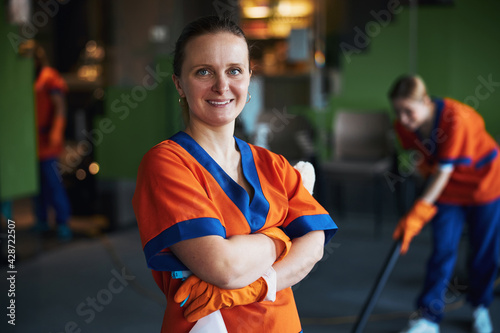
[221, 84]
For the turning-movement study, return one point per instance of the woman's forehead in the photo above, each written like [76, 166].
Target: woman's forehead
[404, 101]
[219, 47]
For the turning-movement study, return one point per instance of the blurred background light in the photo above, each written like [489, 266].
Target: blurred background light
[94, 168]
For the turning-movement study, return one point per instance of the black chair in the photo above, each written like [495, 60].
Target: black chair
[363, 151]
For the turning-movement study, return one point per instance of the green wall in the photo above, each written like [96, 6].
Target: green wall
[18, 166]
[457, 46]
[135, 120]
[458, 49]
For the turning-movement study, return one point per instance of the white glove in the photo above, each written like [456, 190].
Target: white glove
[307, 173]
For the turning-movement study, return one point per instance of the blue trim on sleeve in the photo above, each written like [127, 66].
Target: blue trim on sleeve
[487, 159]
[44, 130]
[55, 91]
[255, 211]
[166, 261]
[163, 261]
[456, 161]
[304, 224]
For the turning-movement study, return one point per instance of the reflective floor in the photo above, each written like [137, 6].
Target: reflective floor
[99, 282]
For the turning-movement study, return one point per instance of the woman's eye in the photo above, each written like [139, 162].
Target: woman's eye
[203, 72]
[235, 71]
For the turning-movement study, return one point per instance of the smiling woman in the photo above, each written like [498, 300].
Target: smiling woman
[233, 215]
[214, 80]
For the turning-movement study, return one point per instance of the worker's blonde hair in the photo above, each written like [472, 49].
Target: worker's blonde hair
[408, 87]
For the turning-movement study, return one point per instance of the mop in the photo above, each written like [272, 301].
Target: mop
[382, 278]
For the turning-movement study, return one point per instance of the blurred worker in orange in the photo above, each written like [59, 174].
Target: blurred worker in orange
[463, 190]
[50, 90]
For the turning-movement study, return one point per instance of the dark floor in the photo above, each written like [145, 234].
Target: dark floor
[73, 287]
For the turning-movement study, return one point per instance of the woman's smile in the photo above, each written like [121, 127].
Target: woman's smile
[220, 103]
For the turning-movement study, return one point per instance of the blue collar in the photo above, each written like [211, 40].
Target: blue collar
[256, 209]
[437, 117]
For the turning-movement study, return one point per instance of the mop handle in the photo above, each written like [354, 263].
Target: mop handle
[382, 277]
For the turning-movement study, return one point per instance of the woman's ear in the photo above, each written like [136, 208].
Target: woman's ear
[177, 83]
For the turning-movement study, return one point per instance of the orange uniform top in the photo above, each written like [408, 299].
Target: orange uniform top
[459, 138]
[182, 193]
[49, 82]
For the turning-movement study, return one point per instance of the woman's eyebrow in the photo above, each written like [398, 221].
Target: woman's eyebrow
[234, 64]
[200, 65]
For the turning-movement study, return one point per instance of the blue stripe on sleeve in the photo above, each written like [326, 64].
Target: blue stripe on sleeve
[304, 224]
[162, 261]
[55, 91]
[468, 161]
[487, 159]
[166, 261]
[462, 160]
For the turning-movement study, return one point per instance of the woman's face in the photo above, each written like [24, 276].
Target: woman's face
[214, 78]
[412, 113]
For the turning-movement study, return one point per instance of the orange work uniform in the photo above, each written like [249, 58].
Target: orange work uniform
[459, 138]
[182, 193]
[49, 82]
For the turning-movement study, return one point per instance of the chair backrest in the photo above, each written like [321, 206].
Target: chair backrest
[361, 135]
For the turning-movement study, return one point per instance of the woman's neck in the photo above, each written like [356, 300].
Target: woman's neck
[218, 142]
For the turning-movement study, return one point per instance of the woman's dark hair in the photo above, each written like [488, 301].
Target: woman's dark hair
[408, 87]
[199, 27]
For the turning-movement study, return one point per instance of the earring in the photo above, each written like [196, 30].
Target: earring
[249, 98]
[180, 100]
